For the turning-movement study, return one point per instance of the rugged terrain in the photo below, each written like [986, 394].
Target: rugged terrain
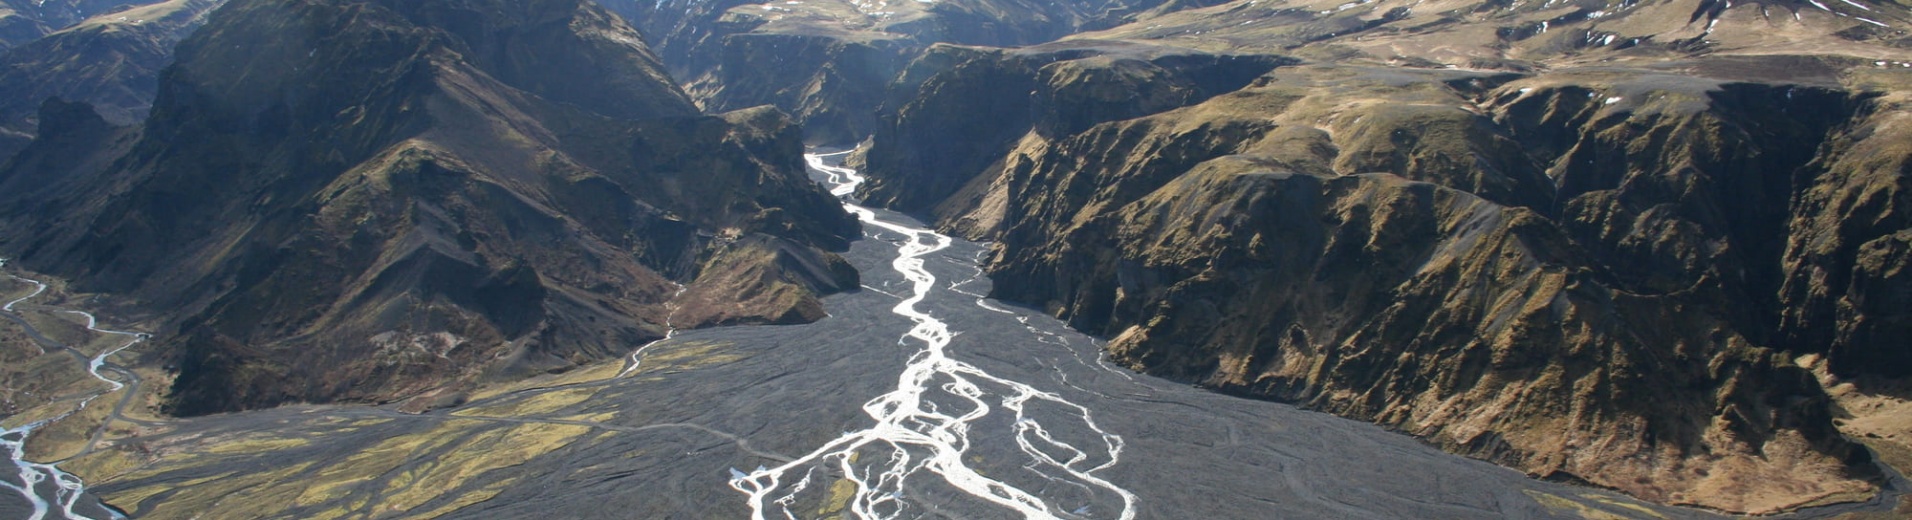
[830, 62]
[111, 61]
[1592, 261]
[369, 201]
[1652, 246]
[23, 21]
[660, 436]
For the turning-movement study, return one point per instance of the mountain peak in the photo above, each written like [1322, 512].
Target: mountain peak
[324, 185]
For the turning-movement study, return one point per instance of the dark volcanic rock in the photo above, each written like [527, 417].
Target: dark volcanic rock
[1845, 285]
[977, 105]
[830, 62]
[366, 200]
[111, 61]
[1584, 275]
[826, 82]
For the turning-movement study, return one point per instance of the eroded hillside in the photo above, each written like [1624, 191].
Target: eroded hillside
[369, 201]
[1599, 272]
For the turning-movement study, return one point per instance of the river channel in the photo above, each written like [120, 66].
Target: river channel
[916, 398]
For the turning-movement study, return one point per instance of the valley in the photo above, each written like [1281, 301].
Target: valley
[956, 259]
[1032, 396]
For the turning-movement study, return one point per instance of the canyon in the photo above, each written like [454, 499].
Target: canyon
[1644, 253]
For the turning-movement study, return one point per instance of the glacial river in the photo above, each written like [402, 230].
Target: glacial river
[980, 409]
[916, 398]
[46, 490]
[923, 429]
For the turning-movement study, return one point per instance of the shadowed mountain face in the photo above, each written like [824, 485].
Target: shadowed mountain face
[995, 97]
[345, 200]
[1654, 246]
[1598, 273]
[829, 62]
[111, 61]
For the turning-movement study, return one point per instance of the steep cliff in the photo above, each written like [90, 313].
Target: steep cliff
[368, 200]
[993, 98]
[111, 61]
[1844, 272]
[1600, 274]
[830, 62]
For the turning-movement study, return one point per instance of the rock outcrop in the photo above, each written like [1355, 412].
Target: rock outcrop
[1597, 275]
[372, 200]
[111, 61]
[830, 63]
[1845, 284]
[993, 98]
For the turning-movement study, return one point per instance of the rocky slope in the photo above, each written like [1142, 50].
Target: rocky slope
[1593, 263]
[1525, 36]
[1845, 281]
[830, 62]
[111, 61]
[993, 98]
[370, 200]
[23, 21]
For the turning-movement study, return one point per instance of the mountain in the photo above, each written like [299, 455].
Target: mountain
[1597, 242]
[23, 21]
[1658, 247]
[830, 62]
[111, 61]
[339, 200]
[1528, 35]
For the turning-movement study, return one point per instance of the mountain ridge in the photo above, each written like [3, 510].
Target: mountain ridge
[1657, 247]
[1299, 238]
[322, 180]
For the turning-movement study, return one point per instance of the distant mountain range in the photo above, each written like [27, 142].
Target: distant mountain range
[363, 201]
[1657, 246]
[1631, 244]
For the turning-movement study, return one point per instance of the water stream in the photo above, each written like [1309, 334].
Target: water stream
[923, 428]
[46, 488]
[916, 398]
